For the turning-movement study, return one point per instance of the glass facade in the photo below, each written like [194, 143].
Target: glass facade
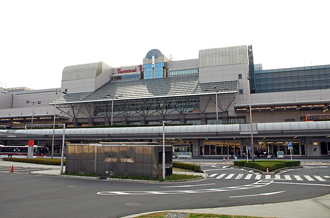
[151, 72]
[147, 71]
[292, 79]
[182, 72]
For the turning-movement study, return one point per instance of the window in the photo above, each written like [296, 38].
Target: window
[182, 72]
[194, 122]
[239, 76]
[241, 91]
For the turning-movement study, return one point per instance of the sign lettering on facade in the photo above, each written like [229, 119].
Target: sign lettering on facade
[129, 70]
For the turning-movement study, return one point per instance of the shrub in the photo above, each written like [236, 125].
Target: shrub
[192, 167]
[270, 164]
[46, 161]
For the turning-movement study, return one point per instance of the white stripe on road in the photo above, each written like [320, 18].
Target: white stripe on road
[248, 176]
[309, 178]
[256, 195]
[213, 175]
[185, 186]
[287, 177]
[239, 176]
[258, 177]
[277, 176]
[320, 178]
[268, 177]
[230, 176]
[298, 178]
[221, 175]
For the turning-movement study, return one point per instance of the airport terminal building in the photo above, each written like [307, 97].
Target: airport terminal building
[209, 102]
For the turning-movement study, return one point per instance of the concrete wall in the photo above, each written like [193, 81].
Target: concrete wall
[85, 80]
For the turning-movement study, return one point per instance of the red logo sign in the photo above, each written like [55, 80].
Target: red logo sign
[31, 143]
[129, 70]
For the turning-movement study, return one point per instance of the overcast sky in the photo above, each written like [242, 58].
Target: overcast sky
[39, 38]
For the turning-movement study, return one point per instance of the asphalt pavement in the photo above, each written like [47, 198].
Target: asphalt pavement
[315, 207]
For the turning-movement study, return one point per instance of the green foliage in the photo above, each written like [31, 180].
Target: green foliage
[264, 164]
[167, 178]
[192, 167]
[47, 161]
[81, 174]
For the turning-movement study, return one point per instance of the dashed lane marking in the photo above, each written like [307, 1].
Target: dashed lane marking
[257, 195]
[258, 184]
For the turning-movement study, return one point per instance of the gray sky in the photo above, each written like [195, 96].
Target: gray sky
[39, 38]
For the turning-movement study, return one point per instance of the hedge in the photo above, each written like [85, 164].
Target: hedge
[47, 161]
[264, 164]
[192, 167]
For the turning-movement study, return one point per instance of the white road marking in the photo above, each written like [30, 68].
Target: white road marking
[230, 176]
[308, 178]
[258, 184]
[248, 176]
[221, 175]
[287, 177]
[258, 177]
[277, 176]
[292, 183]
[320, 178]
[213, 175]
[256, 195]
[298, 178]
[185, 186]
[268, 177]
[239, 176]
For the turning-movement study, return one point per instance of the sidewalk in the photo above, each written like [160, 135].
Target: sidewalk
[315, 207]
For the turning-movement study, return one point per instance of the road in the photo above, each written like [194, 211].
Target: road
[27, 195]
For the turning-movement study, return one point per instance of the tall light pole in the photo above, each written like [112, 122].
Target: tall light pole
[252, 147]
[112, 97]
[216, 103]
[33, 102]
[164, 146]
[53, 140]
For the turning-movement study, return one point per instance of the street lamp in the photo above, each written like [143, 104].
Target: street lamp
[33, 102]
[53, 140]
[252, 147]
[112, 97]
[216, 102]
[164, 146]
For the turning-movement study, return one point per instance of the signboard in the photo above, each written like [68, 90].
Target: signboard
[249, 148]
[280, 154]
[289, 144]
[31, 143]
[130, 69]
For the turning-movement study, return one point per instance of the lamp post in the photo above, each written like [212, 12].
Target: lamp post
[252, 147]
[164, 146]
[53, 140]
[33, 102]
[112, 97]
[216, 102]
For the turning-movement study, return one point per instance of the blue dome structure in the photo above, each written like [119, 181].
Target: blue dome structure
[154, 52]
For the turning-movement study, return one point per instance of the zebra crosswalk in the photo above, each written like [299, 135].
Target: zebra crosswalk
[310, 178]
